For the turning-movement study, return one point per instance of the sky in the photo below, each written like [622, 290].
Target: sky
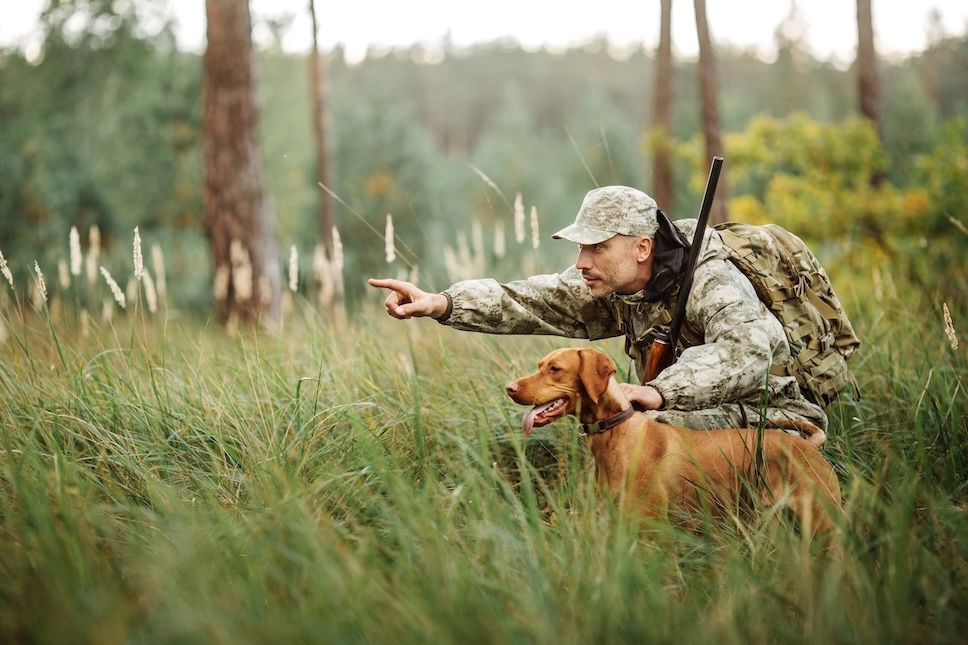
[900, 26]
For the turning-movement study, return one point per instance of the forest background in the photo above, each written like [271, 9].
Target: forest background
[103, 130]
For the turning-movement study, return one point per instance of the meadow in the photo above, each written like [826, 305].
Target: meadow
[358, 479]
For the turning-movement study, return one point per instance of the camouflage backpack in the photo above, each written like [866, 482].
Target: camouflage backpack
[790, 281]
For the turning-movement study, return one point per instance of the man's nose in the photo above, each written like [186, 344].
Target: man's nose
[583, 262]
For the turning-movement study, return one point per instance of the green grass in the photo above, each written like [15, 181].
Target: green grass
[162, 481]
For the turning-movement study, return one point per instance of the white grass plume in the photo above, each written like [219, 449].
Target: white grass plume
[535, 240]
[293, 268]
[139, 261]
[391, 250]
[115, 289]
[6, 270]
[519, 233]
[337, 250]
[949, 328]
[93, 253]
[41, 284]
[76, 257]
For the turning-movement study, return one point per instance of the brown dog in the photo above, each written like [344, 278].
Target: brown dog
[662, 468]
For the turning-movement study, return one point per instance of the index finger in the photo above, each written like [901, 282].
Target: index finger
[387, 283]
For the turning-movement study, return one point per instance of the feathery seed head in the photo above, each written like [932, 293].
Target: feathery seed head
[139, 263]
[293, 268]
[115, 289]
[519, 233]
[6, 270]
[949, 328]
[41, 285]
[337, 251]
[93, 253]
[535, 240]
[76, 259]
[388, 239]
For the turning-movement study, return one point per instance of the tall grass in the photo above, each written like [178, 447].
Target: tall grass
[368, 482]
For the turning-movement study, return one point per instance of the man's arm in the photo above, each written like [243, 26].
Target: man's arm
[552, 305]
[556, 305]
[742, 340]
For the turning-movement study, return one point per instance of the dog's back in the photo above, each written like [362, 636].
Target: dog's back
[772, 465]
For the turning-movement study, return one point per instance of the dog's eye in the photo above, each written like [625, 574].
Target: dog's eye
[554, 368]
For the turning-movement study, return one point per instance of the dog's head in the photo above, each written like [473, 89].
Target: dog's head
[565, 379]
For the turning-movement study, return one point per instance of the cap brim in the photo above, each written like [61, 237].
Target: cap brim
[580, 234]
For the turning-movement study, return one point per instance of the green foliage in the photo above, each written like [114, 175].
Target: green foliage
[99, 132]
[802, 172]
[816, 180]
[943, 174]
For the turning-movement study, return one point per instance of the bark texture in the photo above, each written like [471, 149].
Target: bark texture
[238, 217]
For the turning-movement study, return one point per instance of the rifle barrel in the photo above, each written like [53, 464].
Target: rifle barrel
[694, 251]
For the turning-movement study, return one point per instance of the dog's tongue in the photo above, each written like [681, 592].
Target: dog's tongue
[528, 421]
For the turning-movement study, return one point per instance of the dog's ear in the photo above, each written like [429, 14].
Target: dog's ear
[595, 371]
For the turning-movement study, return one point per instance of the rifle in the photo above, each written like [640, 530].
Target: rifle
[662, 352]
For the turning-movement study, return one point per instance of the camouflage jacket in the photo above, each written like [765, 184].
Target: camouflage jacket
[731, 339]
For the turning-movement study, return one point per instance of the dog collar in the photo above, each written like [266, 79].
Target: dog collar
[604, 425]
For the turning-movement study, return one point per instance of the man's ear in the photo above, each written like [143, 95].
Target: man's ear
[644, 246]
[595, 371]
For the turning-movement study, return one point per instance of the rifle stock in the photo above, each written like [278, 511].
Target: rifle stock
[662, 351]
[661, 356]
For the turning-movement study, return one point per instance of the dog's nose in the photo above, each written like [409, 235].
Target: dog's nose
[512, 388]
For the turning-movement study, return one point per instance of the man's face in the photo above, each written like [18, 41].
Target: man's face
[620, 264]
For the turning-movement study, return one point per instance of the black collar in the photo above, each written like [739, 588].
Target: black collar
[599, 427]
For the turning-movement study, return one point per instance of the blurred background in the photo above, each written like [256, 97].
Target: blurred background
[477, 131]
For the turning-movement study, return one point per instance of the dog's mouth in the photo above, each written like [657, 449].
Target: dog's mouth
[543, 414]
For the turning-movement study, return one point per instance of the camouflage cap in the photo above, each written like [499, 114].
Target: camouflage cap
[611, 210]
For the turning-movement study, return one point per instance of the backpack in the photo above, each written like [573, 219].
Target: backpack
[789, 280]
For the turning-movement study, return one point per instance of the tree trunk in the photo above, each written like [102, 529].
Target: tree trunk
[317, 82]
[662, 185]
[238, 218]
[710, 107]
[867, 83]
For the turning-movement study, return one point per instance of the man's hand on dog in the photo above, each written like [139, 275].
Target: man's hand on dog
[407, 301]
[642, 397]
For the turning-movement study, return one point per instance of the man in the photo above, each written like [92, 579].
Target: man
[625, 282]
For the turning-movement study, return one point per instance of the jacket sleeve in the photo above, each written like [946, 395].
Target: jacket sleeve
[554, 305]
[741, 340]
